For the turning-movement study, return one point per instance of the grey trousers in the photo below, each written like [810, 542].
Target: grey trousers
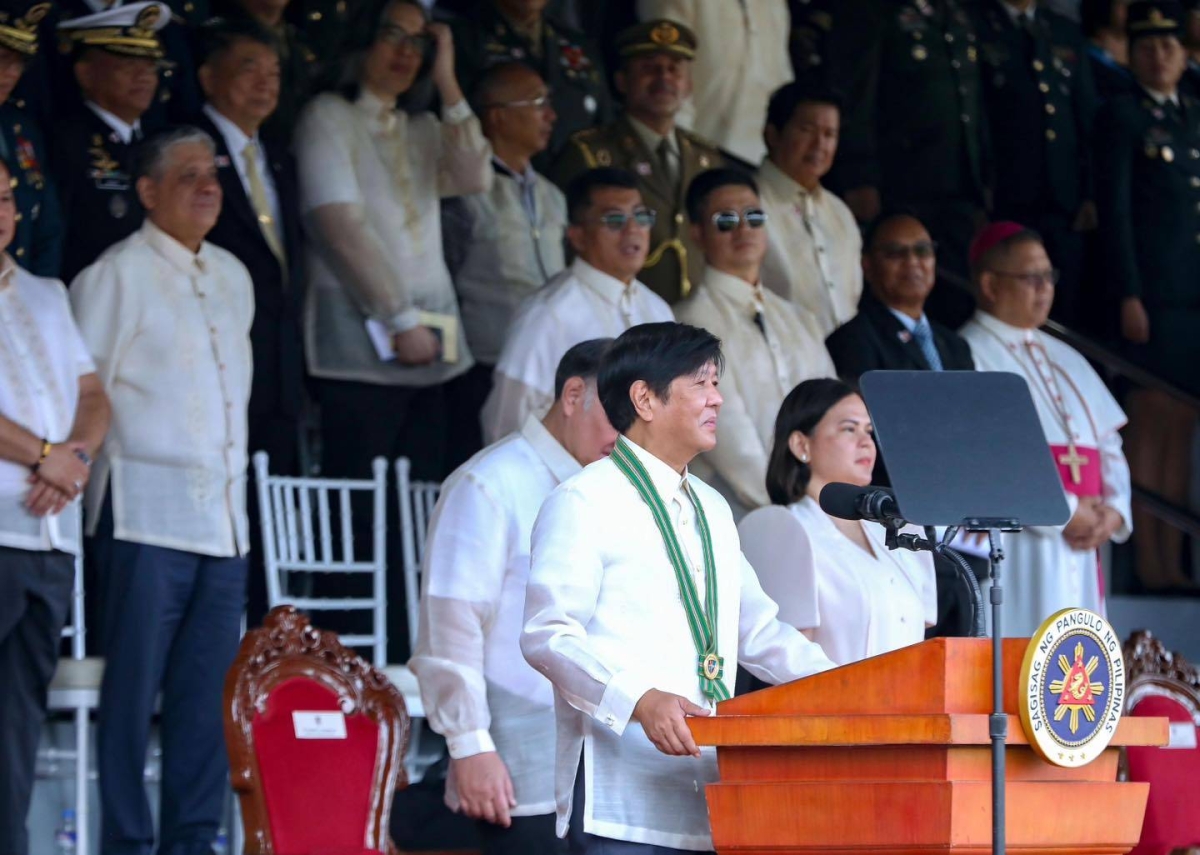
[35, 595]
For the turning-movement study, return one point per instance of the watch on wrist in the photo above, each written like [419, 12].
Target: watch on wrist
[47, 447]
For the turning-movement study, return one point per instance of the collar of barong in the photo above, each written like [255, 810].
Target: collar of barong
[701, 617]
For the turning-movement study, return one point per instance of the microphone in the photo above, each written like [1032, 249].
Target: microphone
[851, 502]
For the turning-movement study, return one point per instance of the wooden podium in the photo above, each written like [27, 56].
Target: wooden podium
[891, 755]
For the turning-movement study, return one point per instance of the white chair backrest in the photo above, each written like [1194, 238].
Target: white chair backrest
[777, 547]
[307, 527]
[417, 500]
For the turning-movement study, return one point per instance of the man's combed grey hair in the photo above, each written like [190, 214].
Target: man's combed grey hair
[156, 151]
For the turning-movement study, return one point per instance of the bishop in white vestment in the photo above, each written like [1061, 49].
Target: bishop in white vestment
[1048, 568]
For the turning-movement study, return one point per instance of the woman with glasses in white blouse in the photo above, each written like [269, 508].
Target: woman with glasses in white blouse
[372, 168]
[855, 597]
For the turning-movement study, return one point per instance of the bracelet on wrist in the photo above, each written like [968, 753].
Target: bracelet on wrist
[47, 447]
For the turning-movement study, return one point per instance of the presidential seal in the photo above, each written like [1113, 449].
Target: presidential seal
[1072, 687]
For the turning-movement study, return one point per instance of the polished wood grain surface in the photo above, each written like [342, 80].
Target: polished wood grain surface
[891, 755]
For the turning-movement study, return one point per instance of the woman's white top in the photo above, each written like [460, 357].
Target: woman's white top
[866, 603]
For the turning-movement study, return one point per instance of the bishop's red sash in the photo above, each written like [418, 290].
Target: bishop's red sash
[1085, 462]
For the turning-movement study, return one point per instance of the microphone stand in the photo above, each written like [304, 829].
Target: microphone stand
[998, 720]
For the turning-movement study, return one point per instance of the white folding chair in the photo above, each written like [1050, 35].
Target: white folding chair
[417, 500]
[76, 687]
[297, 516]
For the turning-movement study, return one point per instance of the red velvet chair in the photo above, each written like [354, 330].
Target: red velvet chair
[1162, 683]
[316, 738]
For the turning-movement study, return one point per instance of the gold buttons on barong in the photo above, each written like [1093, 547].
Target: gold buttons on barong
[1038, 65]
[1043, 87]
[1051, 135]
[1051, 109]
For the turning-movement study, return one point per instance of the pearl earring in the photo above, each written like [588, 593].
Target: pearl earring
[803, 458]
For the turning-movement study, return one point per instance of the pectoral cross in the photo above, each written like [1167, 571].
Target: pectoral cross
[1073, 460]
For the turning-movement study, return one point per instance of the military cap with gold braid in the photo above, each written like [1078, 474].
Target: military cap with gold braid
[19, 25]
[130, 30]
[658, 36]
[1154, 18]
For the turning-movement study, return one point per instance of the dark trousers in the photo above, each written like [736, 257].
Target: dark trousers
[35, 594]
[582, 843]
[465, 399]
[279, 437]
[171, 622]
[528, 835]
[362, 421]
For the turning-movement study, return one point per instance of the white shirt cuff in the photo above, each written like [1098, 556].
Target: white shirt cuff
[456, 113]
[621, 695]
[402, 321]
[469, 744]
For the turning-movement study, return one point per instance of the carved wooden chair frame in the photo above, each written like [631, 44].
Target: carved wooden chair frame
[288, 646]
[1151, 670]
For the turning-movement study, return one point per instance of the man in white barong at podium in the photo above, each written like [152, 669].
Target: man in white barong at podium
[1048, 568]
[640, 607]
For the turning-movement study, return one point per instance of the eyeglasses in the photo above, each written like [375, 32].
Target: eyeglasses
[922, 250]
[541, 102]
[1036, 280]
[727, 221]
[400, 37]
[615, 221]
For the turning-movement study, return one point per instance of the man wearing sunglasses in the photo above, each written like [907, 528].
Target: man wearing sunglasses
[891, 331]
[1055, 567]
[598, 295]
[770, 344]
[655, 79]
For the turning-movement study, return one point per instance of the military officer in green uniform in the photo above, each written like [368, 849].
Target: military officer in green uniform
[507, 30]
[1041, 101]
[37, 245]
[914, 132]
[321, 25]
[1148, 192]
[654, 79]
[810, 40]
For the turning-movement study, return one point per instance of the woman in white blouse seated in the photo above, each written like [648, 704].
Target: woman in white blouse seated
[855, 598]
[372, 168]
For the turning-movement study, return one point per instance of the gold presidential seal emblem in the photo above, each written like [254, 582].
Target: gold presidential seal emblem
[1072, 687]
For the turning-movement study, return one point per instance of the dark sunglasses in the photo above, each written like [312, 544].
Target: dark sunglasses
[727, 221]
[616, 221]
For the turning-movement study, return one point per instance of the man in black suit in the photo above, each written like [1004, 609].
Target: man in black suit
[259, 223]
[891, 330]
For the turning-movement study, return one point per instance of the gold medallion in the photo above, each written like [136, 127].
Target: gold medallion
[711, 666]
